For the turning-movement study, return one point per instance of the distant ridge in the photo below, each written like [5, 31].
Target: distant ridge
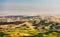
[17, 22]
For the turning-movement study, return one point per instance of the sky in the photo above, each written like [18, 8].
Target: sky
[29, 7]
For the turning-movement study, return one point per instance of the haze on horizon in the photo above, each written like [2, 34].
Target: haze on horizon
[29, 7]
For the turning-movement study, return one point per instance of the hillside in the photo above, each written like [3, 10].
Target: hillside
[34, 26]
